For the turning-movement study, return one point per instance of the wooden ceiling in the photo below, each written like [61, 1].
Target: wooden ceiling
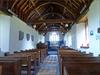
[45, 14]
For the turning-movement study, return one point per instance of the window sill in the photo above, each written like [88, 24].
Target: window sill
[86, 47]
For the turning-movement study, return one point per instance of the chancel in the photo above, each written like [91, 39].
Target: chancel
[49, 37]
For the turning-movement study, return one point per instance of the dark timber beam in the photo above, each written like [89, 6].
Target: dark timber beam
[84, 11]
[46, 30]
[14, 4]
[56, 3]
[1, 3]
[53, 21]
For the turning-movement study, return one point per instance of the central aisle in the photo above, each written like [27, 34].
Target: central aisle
[50, 66]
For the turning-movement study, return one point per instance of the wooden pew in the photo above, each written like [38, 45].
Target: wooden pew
[30, 58]
[0, 69]
[80, 68]
[25, 60]
[35, 58]
[81, 58]
[74, 53]
[77, 63]
[43, 54]
[10, 66]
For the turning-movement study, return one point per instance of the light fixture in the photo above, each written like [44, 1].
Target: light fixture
[44, 23]
[61, 23]
[34, 26]
[66, 25]
[46, 27]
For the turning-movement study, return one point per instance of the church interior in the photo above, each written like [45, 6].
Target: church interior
[49, 37]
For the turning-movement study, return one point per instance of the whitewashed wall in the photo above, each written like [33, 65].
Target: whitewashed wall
[74, 36]
[9, 35]
[68, 39]
[94, 23]
[16, 44]
[4, 33]
[41, 38]
[77, 32]
[71, 37]
[80, 34]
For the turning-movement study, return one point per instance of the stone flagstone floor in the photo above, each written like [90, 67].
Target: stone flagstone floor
[50, 66]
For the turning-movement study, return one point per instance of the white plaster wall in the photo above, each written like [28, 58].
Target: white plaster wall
[80, 34]
[4, 33]
[16, 44]
[41, 38]
[74, 36]
[94, 23]
[77, 31]
[99, 27]
[68, 39]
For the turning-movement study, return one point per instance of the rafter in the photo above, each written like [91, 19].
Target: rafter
[24, 5]
[29, 9]
[33, 4]
[42, 26]
[84, 1]
[37, 11]
[76, 3]
[18, 7]
[25, 8]
[46, 30]
[1, 3]
[53, 21]
[66, 1]
[57, 3]
[32, 1]
[83, 13]
[20, 3]
[72, 9]
[14, 4]
[46, 14]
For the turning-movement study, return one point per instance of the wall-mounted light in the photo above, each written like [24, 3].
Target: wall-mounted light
[66, 25]
[34, 26]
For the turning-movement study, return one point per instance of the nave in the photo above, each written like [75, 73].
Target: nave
[49, 37]
[50, 66]
[38, 62]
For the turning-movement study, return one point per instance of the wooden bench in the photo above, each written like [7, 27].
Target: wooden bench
[74, 53]
[0, 69]
[29, 58]
[37, 56]
[77, 63]
[80, 68]
[10, 66]
[25, 60]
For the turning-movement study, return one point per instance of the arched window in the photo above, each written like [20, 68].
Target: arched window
[54, 37]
